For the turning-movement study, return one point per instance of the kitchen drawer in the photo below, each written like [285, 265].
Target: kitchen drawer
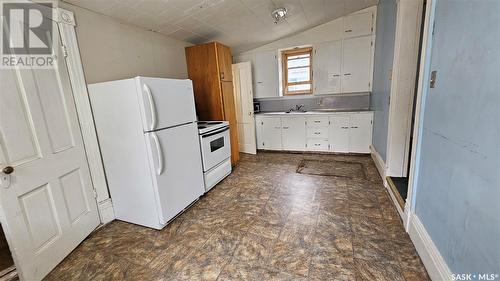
[317, 145]
[318, 121]
[317, 132]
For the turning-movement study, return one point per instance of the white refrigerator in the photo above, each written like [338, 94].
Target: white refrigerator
[149, 143]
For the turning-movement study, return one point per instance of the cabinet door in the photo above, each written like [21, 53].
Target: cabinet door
[225, 61]
[339, 133]
[356, 64]
[259, 123]
[360, 132]
[358, 25]
[271, 133]
[266, 75]
[230, 116]
[327, 64]
[294, 133]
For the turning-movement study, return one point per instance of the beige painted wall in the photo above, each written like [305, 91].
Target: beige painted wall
[113, 50]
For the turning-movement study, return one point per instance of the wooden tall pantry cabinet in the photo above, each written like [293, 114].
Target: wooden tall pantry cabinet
[210, 69]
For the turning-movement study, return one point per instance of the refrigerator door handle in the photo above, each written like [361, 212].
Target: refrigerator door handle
[159, 151]
[152, 107]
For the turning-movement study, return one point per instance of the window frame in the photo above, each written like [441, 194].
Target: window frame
[284, 62]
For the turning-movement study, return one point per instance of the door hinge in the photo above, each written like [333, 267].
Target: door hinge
[433, 79]
[95, 193]
[64, 51]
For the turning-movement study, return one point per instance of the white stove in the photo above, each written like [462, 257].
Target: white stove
[215, 151]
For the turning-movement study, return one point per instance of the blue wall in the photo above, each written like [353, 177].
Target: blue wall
[458, 177]
[384, 54]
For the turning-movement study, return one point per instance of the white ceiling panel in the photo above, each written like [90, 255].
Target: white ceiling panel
[240, 24]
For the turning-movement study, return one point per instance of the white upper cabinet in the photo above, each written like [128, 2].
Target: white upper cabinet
[356, 64]
[266, 75]
[294, 133]
[327, 67]
[358, 25]
[360, 132]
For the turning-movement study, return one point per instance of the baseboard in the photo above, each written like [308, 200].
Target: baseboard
[436, 267]
[379, 163]
[106, 211]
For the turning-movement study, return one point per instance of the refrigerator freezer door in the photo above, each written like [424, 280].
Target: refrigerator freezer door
[176, 166]
[166, 102]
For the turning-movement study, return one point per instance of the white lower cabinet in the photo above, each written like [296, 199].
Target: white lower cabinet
[336, 132]
[360, 132]
[317, 144]
[339, 133]
[293, 133]
[269, 133]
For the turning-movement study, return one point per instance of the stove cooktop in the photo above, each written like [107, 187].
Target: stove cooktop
[208, 126]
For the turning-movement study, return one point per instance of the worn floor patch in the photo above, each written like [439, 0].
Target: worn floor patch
[342, 169]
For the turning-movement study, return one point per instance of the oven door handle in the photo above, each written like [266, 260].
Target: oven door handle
[215, 132]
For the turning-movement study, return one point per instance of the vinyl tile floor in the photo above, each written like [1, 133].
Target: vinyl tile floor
[263, 222]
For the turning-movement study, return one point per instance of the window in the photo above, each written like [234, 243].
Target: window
[297, 71]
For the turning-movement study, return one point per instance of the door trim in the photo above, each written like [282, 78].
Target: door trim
[402, 93]
[66, 24]
[423, 83]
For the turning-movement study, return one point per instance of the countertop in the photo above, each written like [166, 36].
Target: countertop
[313, 112]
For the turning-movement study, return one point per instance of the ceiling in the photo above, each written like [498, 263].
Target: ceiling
[240, 24]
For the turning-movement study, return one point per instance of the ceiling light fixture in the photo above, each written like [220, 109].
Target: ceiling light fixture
[279, 15]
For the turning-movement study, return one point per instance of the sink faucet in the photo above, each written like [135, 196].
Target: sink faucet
[297, 108]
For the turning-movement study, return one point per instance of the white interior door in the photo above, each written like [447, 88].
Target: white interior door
[47, 202]
[242, 81]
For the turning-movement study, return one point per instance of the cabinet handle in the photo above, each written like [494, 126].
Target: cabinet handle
[317, 121]
[345, 127]
[347, 74]
[317, 144]
[222, 75]
[335, 75]
[349, 30]
[354, 127]
[317, 133]
[286, 127]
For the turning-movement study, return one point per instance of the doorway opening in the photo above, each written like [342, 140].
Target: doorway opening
[399, 185]
[7, 268]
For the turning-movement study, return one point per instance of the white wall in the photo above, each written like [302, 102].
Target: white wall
[113, 50]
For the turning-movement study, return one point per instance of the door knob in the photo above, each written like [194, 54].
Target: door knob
[8, 170]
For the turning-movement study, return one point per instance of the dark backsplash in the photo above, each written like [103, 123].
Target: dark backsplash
[334, 102]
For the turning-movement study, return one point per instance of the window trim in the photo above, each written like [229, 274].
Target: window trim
[284, 63]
